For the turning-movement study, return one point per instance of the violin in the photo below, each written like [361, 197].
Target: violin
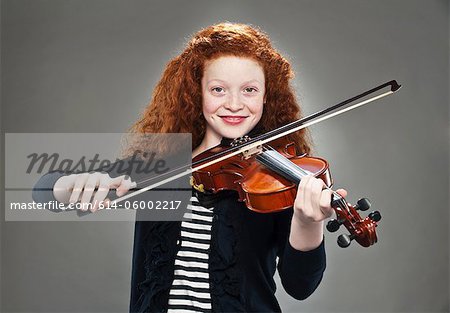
[267, 182]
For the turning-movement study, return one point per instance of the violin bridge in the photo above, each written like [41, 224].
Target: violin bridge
[252, 150]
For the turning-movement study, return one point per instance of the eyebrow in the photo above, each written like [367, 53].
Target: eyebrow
[247, 82]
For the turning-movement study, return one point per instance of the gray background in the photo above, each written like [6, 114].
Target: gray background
[90, 66]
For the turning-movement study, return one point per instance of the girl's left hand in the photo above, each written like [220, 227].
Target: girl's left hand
[313, 202]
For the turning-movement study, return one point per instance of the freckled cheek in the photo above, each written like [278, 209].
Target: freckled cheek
[256, 107]
[211, 105]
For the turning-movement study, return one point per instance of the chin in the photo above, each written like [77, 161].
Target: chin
[234, 133]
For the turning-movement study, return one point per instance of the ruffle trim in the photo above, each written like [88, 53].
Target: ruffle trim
[225, 272]
[159, 266]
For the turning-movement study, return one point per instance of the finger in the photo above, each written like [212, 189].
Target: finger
[65, 183]
[88, 190]
[115, 182]
[325, 203]
[317, 186]
[300, 198]
[124, 186]
[342, 192]
[309, 209]
[101, 193]
[78, 187]
[316, 194]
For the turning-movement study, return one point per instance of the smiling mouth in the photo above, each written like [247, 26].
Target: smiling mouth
[233, 119]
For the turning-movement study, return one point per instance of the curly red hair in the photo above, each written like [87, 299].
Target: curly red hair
[176, 104]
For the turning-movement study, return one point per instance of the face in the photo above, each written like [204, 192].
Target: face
[233, 91]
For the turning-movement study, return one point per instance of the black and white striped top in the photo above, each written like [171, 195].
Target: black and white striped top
[190, 288]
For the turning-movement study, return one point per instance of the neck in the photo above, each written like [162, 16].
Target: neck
[209, 141]
[203, 147]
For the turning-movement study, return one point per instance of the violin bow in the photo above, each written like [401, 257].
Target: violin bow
[248, 144]
[307, 121]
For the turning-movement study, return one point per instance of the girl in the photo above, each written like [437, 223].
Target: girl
[228, 82]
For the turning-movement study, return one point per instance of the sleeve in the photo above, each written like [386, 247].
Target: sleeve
[300, 271]
[43, 189]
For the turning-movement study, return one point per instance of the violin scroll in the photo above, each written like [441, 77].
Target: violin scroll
[361, 230]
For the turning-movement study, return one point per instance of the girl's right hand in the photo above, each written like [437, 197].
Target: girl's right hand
[80, 187]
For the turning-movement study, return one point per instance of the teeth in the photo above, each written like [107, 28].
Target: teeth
[233, 118]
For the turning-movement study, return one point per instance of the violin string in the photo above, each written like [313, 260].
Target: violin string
[288, 166]
[305, 173]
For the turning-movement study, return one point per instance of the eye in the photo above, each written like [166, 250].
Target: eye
[218, 89]
[250, 89]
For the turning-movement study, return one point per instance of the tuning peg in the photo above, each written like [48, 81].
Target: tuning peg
[375, 216]
[344, 240]
[362, 204]
[333, 225]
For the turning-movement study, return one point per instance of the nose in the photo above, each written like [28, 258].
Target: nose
[234, 103]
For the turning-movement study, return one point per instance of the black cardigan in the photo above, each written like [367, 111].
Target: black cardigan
[242, 261]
